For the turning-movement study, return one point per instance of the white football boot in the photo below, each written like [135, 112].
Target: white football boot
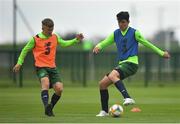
[128, 101]
[102, 114]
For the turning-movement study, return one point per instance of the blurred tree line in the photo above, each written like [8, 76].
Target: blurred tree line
[159, 39]
[167, 35]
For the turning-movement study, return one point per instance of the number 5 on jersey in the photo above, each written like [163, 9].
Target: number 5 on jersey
[47, 48]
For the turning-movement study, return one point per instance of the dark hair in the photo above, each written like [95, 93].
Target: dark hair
[123, 15]
[48, 22]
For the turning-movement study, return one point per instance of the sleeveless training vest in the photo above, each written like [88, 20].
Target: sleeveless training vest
[45, 51]
[127, 45]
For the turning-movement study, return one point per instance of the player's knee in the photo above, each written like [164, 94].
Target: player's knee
[45, 83]
[59, 89]
[111, 77]
[102, 85]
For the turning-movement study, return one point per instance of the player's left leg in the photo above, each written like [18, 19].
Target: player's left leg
[56, 85]
[58, 88]
[123, 71]
[114, 76]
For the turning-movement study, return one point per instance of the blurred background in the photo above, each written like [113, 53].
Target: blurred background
[158, 21]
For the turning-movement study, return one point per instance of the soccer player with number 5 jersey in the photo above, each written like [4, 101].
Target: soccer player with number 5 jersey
[44, 46]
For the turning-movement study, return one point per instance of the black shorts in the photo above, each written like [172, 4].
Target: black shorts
[126, 69]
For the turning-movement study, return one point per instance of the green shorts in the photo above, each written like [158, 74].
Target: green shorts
[52, 73]
[126, 69]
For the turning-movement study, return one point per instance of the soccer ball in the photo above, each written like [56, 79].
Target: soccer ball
[116, 110]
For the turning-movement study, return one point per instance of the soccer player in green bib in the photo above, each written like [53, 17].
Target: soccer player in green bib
[126, 39]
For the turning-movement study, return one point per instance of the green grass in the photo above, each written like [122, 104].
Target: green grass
[80, 105]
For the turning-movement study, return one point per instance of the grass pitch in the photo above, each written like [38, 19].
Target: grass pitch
[80, 105]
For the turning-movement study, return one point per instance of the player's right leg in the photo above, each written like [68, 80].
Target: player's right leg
[44, 80]
[103, 87]
[45, 95]
[44, 90]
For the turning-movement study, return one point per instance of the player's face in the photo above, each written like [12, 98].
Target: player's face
[123, 24]
[47, 30]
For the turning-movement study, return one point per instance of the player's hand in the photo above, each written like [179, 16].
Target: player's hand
[79, 37]
[16, 68]
[96, 50]
[166, 55]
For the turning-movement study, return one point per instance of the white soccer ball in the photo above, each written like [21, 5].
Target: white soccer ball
[116, 110]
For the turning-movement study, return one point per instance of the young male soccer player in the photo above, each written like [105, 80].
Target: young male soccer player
[44, 46]
[126, 39]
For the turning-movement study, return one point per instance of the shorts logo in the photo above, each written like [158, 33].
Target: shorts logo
[42, 74]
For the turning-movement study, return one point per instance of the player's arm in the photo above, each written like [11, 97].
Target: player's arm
[103, 44]
[66, 43]
[146, 43]
[29, 46]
